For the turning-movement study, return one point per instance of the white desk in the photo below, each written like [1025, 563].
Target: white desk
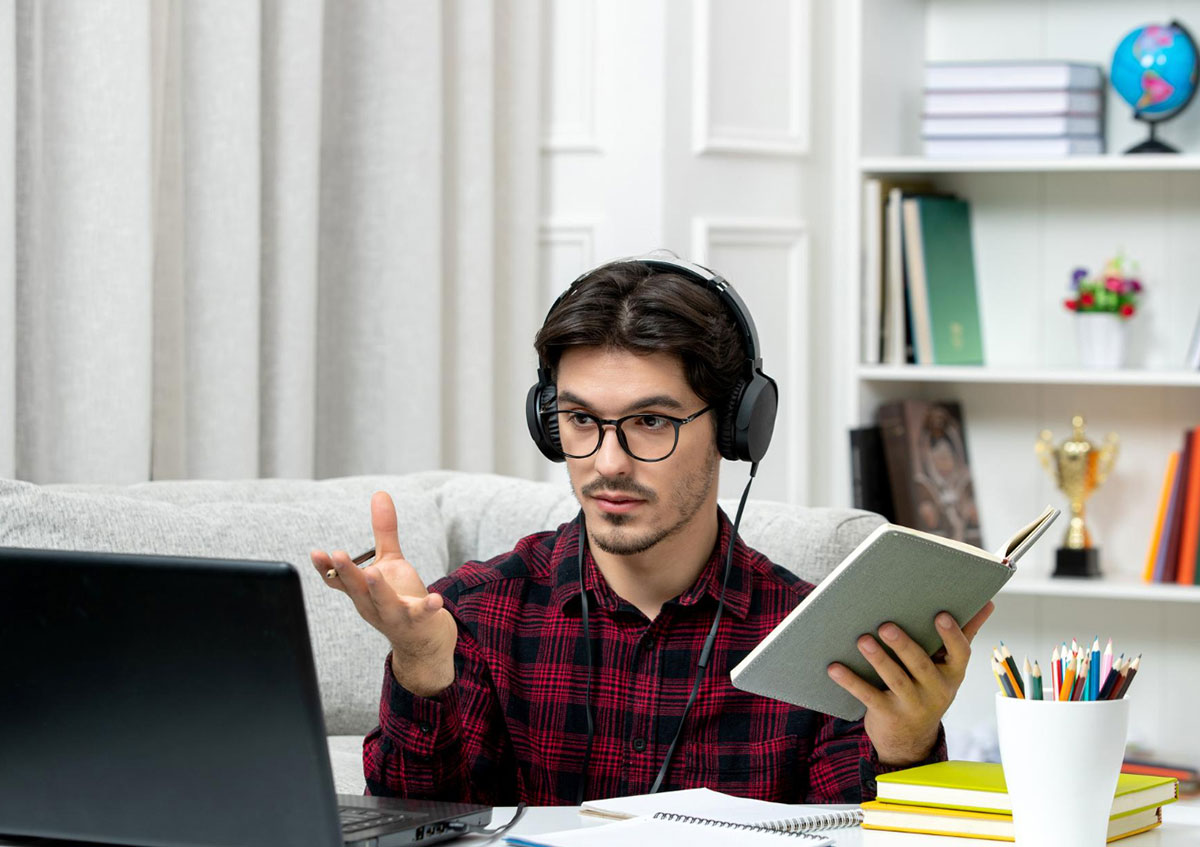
[1181, 828]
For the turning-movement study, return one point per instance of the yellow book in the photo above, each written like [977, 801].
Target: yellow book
[927, 820]
[979, 787]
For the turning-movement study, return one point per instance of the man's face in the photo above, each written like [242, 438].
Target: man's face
[630, 505]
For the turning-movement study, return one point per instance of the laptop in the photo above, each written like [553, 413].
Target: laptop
[151, 700]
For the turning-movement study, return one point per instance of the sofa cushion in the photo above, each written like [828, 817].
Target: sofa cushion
[279, 520]
[346, 759]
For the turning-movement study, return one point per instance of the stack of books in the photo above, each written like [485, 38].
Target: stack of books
[1003, 110]
[1174, 553]
[968, 801]
[1188, 776]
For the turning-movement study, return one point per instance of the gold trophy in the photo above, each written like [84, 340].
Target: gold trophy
[1078, 468]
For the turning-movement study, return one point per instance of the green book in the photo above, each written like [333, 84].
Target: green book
[980, 787]
[941, 272]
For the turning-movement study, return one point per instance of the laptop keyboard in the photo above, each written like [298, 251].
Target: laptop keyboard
[354, 818]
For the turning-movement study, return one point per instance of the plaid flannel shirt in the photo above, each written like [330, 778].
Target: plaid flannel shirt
[512, 727]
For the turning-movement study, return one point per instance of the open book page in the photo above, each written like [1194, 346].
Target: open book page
[695, 802]
[1023, 538]
[648, 831]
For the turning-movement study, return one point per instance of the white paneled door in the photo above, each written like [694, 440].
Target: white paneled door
[688, 126]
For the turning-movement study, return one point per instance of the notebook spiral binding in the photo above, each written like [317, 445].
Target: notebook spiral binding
[800, 827]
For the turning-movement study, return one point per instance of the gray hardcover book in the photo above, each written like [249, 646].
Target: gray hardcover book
[896, 574]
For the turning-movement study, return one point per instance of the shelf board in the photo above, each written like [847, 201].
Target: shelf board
[1102, 589]
[1087, 164]
[1029, 376]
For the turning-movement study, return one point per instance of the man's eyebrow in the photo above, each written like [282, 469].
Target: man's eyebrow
[656, 400]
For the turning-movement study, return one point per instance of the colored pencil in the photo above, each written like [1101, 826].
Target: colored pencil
[1027, 679]
[1055, 674]
[1119, 681]
[1094, 670]
[1106, 663]
[1081, 674]
[1012, 665]
[1036, 676]
[1002, 679]
[1008, 674]
[1133, 669]
[1111, 681]
[1068, 683]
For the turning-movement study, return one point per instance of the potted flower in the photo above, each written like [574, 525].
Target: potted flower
[1103, 304]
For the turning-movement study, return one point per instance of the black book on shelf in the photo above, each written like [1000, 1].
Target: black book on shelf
[869, 482]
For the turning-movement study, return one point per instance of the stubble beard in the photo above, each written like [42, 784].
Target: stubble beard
[688, 496]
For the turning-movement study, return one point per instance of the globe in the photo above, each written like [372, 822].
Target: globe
[1154, 69]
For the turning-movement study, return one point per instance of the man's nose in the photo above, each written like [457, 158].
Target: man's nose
[611, 458]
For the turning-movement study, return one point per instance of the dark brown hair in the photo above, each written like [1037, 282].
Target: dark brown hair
[628, 305]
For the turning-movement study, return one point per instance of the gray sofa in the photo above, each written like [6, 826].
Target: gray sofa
[445, 518]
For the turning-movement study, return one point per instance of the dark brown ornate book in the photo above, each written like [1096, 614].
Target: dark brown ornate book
[925, 444]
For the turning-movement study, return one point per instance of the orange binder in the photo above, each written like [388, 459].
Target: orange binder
[1186, 573]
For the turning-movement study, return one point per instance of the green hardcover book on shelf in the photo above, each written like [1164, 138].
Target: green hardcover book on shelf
[940, 262]
[980, 787]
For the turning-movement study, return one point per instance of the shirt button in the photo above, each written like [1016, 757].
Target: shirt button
[425, 728]
[639, 744]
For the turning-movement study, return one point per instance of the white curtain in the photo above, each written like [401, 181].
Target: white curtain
[280, 238]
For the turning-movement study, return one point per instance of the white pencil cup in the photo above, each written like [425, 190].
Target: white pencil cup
[1061, 762]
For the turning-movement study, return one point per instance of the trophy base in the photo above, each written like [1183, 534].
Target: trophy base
[1077, 563]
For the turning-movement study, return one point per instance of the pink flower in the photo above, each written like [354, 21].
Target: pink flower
[1113, 283]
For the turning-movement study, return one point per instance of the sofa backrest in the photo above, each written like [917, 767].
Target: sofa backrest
[484, 514]
[445, 518]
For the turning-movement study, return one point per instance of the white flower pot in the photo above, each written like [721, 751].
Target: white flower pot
[1101, 338]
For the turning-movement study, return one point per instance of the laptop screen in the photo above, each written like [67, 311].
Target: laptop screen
[155, 700]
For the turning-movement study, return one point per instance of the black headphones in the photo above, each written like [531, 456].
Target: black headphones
[744, 426]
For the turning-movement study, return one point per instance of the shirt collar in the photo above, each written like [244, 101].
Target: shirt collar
[708, 584]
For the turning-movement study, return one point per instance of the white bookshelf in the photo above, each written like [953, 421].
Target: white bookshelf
[1033, 221]
[1028, 376]
[1102, 589]
[902, 165]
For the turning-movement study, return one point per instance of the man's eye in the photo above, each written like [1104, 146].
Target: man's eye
[579, 419]
[653, 422]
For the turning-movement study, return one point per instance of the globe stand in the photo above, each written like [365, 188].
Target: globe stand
[1151, 144]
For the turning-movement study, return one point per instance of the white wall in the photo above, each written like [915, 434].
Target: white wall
[694, 126]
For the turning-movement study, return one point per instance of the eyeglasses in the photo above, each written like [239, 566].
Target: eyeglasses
[645, 437]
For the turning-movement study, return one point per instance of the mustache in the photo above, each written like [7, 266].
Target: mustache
[618, 485]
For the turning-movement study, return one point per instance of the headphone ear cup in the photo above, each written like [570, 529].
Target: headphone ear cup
[727, 423]
[755, 418]
[550, 422]
[542, 429]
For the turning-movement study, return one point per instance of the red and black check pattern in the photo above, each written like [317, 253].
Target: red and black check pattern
[513, 726]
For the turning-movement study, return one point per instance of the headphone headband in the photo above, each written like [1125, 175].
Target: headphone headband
[697, 273]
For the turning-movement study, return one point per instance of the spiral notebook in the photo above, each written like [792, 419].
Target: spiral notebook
[698, 817]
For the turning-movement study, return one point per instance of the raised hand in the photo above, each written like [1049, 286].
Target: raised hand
[902, 720]
[390, 596]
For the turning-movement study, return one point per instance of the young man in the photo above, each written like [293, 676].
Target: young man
[507, 682]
